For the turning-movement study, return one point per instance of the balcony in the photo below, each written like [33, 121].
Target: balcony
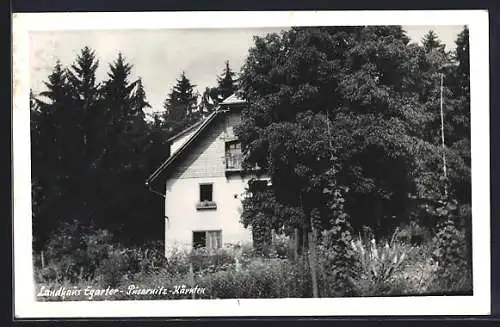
[233, 161]
[234, 165]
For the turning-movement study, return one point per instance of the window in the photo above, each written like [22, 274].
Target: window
[214, 239]
[199, 239]
[233, 155]
[207, 239]
[206, 198]
[206, 192]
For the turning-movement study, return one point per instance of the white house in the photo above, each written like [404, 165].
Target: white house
[204, 182]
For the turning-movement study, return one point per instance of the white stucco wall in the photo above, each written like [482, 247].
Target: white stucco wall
[183, 217]
[204, 163]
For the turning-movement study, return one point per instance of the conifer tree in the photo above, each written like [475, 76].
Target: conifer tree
[430, 41]
[52, 146]
[180, 105]
[85, 92]
[226, 83]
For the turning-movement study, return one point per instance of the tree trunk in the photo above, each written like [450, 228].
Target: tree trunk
[297, 244]
[313, 263]
[42, 259]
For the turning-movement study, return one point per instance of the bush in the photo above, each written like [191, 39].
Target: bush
[74, 253]
[378, 265]
[413, 233]
[358, 267]
[262, 278]
[211, 260]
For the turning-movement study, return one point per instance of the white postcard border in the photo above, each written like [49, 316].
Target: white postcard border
[24, 288]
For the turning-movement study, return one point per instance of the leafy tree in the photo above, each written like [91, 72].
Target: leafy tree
[351, 98]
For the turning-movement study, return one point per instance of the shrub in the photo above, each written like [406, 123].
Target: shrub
[262, 278]
[378, 265]
[413, 233]
[211, 260]
[451, 249]
[74, 253]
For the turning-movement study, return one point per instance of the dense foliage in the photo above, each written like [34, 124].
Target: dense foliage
[94, 145]
[346, 122]
[381, 269]
[92, 149]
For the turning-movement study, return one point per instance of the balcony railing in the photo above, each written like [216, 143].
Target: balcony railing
[233, 161]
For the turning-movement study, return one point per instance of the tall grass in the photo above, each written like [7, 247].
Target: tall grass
[381, 268]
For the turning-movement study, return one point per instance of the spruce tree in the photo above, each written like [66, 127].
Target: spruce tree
[52, 146]
[430, 41]
[85, 92]
[180, 105]
[226, 83]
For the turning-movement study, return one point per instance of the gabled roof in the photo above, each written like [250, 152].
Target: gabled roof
[185, 131]
[200, 127]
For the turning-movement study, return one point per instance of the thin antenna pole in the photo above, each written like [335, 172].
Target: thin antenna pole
[329, 134]
[442, 138]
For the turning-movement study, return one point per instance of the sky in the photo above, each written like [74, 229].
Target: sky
[159, 56]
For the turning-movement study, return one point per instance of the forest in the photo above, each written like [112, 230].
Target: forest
[364, 134]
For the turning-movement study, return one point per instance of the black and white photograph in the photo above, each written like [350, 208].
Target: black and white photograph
[236, 170]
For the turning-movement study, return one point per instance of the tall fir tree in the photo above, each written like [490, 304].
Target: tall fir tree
[52, 145]
[139, 102]
[430, 41]
[124, 163]
[180, 105]
[85, 92]
[226, 83]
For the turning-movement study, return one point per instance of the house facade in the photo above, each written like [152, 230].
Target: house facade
[204, 183]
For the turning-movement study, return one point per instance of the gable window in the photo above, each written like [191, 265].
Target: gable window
[207, 239]
[206, 198]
